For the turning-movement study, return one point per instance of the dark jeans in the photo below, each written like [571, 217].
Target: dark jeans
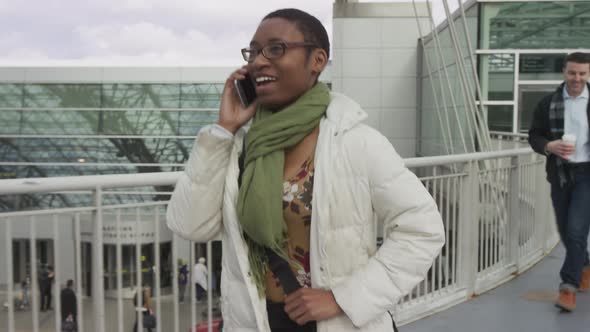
[572, 211]
[200, 292]
[181, 290]
[45, 298]
[135, 325]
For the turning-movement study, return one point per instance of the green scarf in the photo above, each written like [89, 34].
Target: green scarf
[260, 201]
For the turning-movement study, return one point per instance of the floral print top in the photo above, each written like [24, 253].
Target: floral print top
[297, 194]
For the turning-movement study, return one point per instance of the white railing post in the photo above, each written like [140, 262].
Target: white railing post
[209, 288]
[97, 264]
[138, 272]
[467, 233]
[119, 264]
[57, 273]
[34, 275]
[175, 287]
[157, 270]
[514, 221]
[78, 240]
[9, 276]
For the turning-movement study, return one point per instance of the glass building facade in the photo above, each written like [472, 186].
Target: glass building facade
[519, 48]
[87, 129]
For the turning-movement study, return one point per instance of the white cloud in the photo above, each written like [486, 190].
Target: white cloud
[138, 31]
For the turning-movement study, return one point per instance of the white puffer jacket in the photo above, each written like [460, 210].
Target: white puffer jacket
[358, 176]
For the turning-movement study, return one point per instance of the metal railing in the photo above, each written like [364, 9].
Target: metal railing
[495, 207]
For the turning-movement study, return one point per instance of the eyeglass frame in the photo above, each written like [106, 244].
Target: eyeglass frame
[285, 46]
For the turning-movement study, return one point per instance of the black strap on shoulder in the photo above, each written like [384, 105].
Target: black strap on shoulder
[393, 322]
[282, 270]
[241, 161]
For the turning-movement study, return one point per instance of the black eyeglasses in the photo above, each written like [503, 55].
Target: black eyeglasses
[273, 50]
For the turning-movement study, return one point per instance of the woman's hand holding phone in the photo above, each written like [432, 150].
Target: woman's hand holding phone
[232, 115]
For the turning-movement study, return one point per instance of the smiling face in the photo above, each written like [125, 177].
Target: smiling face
[576, 76]
[280, 81]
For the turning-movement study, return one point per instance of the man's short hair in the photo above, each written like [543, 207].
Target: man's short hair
[577, 57]
[70, 283]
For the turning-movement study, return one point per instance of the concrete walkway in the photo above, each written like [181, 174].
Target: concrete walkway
[524, 304]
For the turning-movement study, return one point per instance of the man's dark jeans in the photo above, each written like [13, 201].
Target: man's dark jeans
[572, 211]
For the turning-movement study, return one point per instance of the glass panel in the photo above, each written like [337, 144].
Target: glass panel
[499, 117]
[10, 121]
[191, 122]
[7, 172]
[529, 97]
[535, 24]
[103, 150]
[497, 76]
[139, 122]
[141, 95]
[62, 95]
[11, 95]
[205, 95]
[541, 66]
[59, 122]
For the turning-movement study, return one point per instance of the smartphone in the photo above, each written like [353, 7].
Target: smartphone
[246, 90]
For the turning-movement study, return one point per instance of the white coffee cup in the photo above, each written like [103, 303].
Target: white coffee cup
[569, 138]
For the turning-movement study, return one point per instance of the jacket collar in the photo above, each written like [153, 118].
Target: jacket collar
[344, 112]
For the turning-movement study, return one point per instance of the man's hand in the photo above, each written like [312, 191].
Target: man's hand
[309, 304]
[561, 148]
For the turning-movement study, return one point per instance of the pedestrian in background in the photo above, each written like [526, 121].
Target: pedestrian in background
[69, 306]
[45, 282]
[560, 132]
[200, 278]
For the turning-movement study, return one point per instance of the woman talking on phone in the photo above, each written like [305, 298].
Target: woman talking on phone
[296, 197]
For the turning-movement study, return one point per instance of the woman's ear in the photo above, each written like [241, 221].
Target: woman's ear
[319, 61]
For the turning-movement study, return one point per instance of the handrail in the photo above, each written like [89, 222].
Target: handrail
[86, 182]
[465, 157]
[508, 134]
[90, 182]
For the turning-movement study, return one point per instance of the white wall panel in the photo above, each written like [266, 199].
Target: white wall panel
[365, 91]
[360, 33]
[399, 124]
[361, 63]
[398, 62]
[398, 92]
[399, 32]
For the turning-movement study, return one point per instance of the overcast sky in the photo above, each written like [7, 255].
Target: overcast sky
[140, 32]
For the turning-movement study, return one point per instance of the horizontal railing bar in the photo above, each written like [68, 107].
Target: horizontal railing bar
[133, 205]
[137, 192]
[465, 157]
[85, 164]
[103, 136]
[88, 182]
[109, 109]
[509, 134]
[28, 213]
[76, 210]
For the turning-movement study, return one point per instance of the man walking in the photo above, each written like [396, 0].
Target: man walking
[45, 282]
[560, 131]
[69, 308]
[200, 278]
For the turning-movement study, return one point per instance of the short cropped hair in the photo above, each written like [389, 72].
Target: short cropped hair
[577, 57]
[312, 29]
